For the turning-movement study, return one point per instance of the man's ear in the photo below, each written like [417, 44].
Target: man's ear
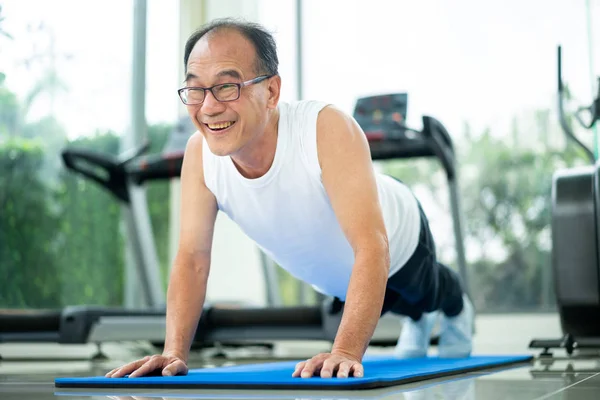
[274, 91]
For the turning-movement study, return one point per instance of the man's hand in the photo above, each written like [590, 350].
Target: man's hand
[168, 366]
[349, 179]
[329, 365]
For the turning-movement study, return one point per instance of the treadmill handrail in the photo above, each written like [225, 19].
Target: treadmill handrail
[130, 155]
[115, 167]
[438, 139]
[400, 148]
[115, 171]
[155, 167]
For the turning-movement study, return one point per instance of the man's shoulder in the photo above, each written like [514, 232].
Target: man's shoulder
[302, 108]
[194, 145]
[315, 116]
[194, 150]
[332, 117]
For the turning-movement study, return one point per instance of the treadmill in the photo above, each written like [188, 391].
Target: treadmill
[124, 175]
[383, 120]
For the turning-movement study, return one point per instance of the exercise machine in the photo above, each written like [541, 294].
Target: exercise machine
[576, 238]
[123, 175]
[383, 119]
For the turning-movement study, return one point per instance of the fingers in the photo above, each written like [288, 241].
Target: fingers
[170, 367]
[299, 368]
[313, 366]
[348, 368]
[127, 368]
[358, 371]
[306, 369]
[148, 367]
[327, 366]
[309, 369]
[343, 369]
[174, 368]
[338, 368]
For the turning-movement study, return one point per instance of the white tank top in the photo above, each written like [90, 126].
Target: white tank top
[287, 211]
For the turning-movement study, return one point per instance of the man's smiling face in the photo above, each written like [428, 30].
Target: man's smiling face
[221, 57]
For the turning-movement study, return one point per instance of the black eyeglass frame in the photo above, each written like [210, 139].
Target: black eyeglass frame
[240, 85]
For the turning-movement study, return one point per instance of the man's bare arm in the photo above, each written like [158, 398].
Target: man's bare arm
[349, 179]
[189, 275]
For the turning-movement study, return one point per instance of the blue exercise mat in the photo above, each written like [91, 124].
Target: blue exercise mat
[380, 371]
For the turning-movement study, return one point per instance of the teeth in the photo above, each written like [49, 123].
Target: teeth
[222, 125]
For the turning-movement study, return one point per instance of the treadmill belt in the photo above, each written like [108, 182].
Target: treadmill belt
[19, 325]
[380, 371]
[23, 320]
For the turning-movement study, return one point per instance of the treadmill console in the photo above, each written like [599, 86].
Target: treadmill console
[382, 117]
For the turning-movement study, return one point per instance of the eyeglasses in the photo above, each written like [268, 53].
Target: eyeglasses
[222, 92]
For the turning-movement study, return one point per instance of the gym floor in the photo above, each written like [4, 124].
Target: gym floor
[28, 371]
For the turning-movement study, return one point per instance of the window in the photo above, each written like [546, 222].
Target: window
[66, 82]
[488, 73]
